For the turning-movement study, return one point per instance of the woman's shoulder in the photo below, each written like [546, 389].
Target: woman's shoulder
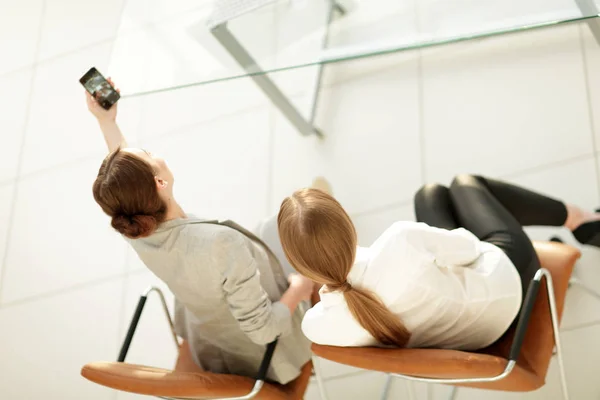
[208, 235]
[205, 228]
[205, 238]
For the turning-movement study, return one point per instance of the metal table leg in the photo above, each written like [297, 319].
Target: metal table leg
[246, 61]
[589, 7]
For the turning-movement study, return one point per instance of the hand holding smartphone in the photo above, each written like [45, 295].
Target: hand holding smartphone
[100, 88]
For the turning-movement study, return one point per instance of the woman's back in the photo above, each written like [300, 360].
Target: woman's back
[223, 282]
[449, 289]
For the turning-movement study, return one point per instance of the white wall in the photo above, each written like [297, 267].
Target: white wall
[522, 107]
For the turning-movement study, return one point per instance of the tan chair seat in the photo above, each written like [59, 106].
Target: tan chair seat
[534, 359]
[433, 363]
[199, 385]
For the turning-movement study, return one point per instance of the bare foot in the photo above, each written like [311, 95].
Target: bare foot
[577, 216]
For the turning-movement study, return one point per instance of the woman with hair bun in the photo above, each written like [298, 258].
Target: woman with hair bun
[233, 296]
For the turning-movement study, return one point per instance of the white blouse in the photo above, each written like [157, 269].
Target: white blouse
[449, 289]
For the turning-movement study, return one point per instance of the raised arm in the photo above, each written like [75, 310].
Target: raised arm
[107, 119]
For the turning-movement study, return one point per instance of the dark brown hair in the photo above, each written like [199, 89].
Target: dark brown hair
[126, 190]
[319, 240]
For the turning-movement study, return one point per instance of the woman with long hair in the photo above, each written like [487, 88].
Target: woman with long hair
[232, 294]
[455, 279]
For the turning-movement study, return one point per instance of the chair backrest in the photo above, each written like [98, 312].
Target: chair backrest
[538, 346]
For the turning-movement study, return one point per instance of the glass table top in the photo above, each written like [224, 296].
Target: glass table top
[168, 44]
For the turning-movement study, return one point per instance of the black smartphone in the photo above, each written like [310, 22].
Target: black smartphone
[100, 88]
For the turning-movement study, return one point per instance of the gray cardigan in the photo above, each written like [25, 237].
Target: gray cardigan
[227, 288]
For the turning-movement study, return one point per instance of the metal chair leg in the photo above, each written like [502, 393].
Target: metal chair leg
[554, 315]
[386, 387]
[453, 393]
[165, 308]
[319, 378]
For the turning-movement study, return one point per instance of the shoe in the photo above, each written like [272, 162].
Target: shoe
[588, 233]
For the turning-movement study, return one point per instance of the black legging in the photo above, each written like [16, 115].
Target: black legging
[493, 211]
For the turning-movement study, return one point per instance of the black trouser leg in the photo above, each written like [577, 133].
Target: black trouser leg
[434, 207]
[495, 212]
[527, 207]
[481, 212]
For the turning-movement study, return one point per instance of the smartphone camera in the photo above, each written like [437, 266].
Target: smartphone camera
[100, 88]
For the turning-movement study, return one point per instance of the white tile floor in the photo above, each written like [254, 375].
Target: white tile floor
[20, 26]
[238, 149]
[18, 83]
[58, 112]
[43, 351]
[521, 107]
[51, 209]
[63, 18]
[488, 95]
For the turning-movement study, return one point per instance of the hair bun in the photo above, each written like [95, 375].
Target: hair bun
[135, 226]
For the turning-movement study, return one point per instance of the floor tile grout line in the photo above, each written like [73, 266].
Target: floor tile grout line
[163, 136]
[550, 165]
[21, 153]
[128, 32]
[17, 70]
[121, 321]
[421, 118]
[185, 129]
[421, 101]
[588, 94]
[56, 57]
[142, 113]
[114, 38]
[126, 258]
[121, 314]
[74, 288]
[271, 162]
[77, 161]
[383, 208]
[577, 327]
[272, 127]
[7, 182]
[168, 134]
[70, 289]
